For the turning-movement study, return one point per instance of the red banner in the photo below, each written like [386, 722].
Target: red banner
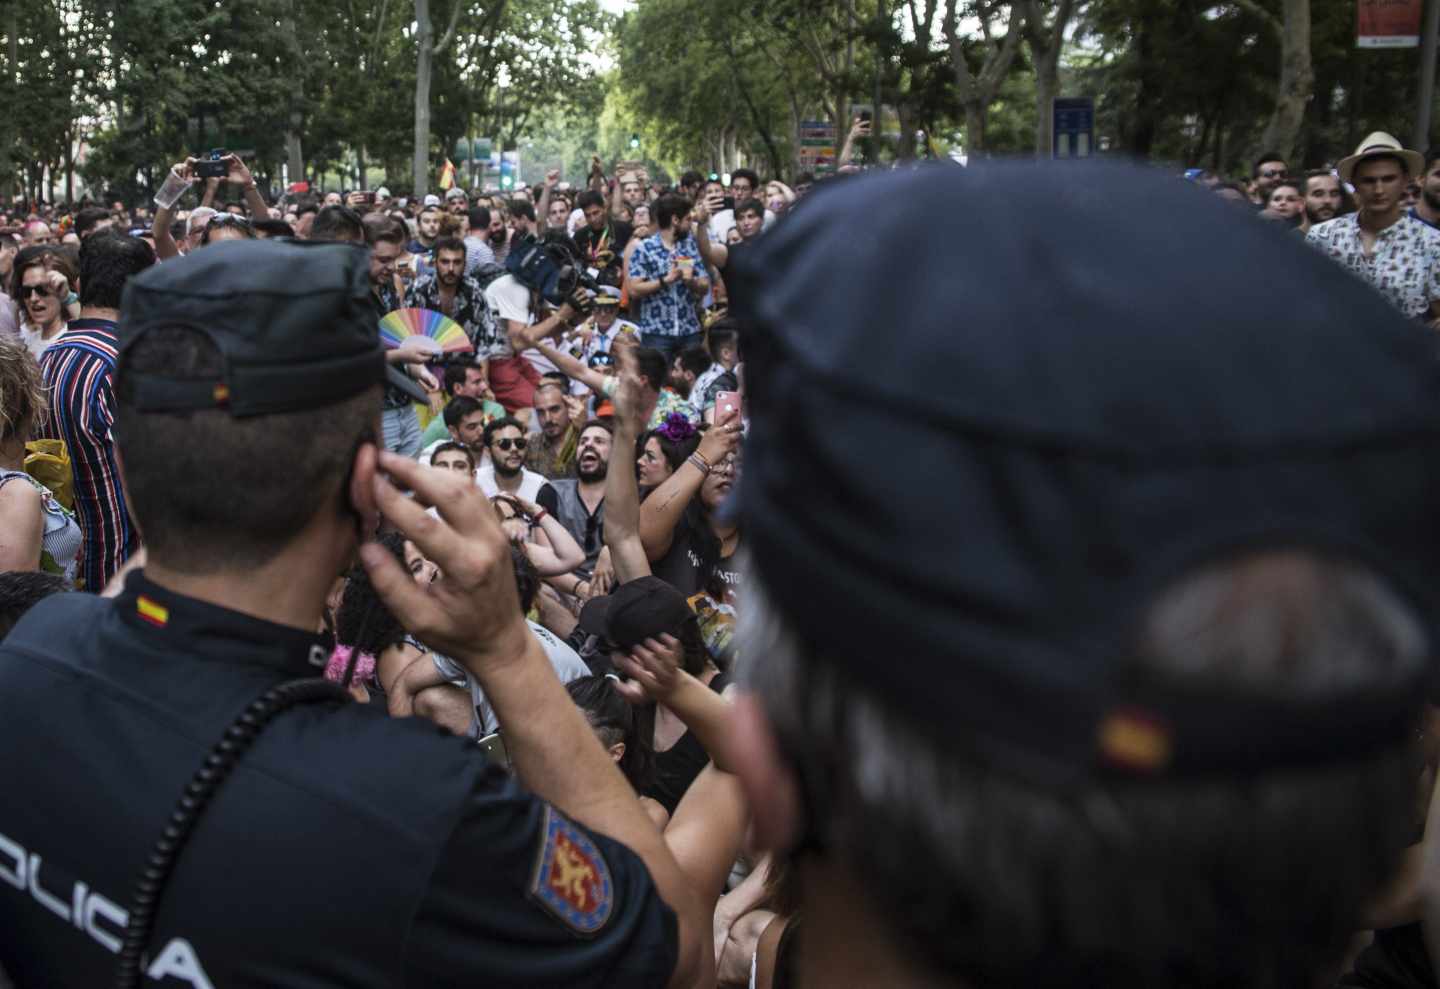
[1388, 23]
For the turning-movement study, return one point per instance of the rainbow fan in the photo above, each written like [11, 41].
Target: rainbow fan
[445, 335]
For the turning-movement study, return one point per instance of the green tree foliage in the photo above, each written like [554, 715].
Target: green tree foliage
[139, 84]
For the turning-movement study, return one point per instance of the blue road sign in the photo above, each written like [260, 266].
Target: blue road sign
[1073, 120]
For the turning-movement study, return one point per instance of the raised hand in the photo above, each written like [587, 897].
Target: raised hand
[472, 611]
[654, 671]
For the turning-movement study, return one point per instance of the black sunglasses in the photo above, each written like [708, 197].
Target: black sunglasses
[507, 441]
[1271, 173]
[41, 290]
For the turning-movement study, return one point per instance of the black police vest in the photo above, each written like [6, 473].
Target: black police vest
[347, 848]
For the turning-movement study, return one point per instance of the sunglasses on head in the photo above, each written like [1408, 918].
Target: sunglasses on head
[507, 442]
[43, 291]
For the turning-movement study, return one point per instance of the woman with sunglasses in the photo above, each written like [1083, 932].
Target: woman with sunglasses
[36, 532]
[43, 283]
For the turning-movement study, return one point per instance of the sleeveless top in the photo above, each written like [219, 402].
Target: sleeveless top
[60, 543]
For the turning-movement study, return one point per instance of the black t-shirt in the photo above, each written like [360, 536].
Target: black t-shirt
[346, 848]
[547, 499]
[693, 563]
[735, 286]
[677, 767]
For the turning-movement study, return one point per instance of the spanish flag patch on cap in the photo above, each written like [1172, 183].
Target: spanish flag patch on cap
[151, 611]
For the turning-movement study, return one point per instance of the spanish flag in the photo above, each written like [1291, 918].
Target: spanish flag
[152, 611]
[447, 175]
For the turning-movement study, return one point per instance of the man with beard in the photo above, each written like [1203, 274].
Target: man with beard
[505, 440]
[581, 499]
[450, 291]
[552, 453]
[1324, 199]
[499, 235]
[1427, 207]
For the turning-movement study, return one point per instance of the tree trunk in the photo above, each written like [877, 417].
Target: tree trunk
[975, 113]
[978, 89]
[1047, 81]
[425, 53]
[360, 166]
[294, 150]
[1296, 84]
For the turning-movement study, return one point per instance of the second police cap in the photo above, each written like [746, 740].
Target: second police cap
[1025, 423]
[292, 320]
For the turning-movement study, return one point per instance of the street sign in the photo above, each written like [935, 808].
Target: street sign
[509, 169]
[1073, 123]
[1387, 23]
[817, 146]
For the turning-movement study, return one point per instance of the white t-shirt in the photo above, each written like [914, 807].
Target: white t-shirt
[509, 299]
[530, 482]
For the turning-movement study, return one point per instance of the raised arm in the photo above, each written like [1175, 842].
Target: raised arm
[165, 246]
[661, 512]
[622, 488]
[542, 208]
[858, 128]
[575, 369]
[472, 614]
[713, 253]
[240, 175]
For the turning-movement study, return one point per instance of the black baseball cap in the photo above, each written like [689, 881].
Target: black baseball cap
[640, 609]
[1133, 380]
[293, 320]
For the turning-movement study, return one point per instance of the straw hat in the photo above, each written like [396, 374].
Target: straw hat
[1376, 145]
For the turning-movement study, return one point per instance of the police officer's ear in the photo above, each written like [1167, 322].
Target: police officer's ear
[361, 488]
[769, 782]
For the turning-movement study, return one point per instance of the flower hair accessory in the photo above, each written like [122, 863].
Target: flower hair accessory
[676, 428]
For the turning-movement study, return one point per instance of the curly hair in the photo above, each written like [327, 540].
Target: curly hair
[22, 391]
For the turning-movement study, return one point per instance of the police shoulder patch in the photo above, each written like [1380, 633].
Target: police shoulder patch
[571, 879]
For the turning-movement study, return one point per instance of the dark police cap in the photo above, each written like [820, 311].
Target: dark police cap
[293, 320]
[987, 432]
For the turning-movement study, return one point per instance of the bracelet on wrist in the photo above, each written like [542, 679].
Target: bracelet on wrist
[698, 462]
[538, 517]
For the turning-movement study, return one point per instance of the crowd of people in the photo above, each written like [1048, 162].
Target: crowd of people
[1066, 670]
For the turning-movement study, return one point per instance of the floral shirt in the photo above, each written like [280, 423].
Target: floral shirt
[671, 311]
[672, 402]
[472, 312]
[1405, 266]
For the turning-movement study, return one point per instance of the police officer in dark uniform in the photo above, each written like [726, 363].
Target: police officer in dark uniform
[344, 848]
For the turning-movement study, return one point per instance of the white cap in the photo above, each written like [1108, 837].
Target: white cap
[382, 193]
[432, 200]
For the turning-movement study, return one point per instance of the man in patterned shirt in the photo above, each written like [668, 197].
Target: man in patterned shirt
[1396, 253]
[79, 370]
[667, 278]
[450, 291]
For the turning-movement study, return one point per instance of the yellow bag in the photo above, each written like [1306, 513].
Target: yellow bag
[48, 461]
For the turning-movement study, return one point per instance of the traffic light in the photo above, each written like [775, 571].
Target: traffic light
[634, 141]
